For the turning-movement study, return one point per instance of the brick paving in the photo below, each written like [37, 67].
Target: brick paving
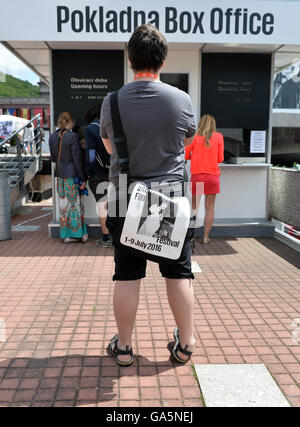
[56, 301]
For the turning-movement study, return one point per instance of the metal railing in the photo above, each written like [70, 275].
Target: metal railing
[287, 234]
[15, 164]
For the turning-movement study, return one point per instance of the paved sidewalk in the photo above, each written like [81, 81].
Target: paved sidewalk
[56, 302]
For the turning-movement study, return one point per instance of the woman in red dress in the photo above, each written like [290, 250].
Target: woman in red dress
[206, 152]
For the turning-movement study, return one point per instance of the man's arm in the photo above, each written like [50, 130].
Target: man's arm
[191, 123]
[189, 149]
[104, 119]
[188, 141]
[107, 145]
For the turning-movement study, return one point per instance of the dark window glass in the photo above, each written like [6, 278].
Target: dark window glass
[236, 89]
[237, 146]
[84, 77]
[285, 146]
[179, 80]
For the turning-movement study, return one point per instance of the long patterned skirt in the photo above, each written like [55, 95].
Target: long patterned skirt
[71, 210]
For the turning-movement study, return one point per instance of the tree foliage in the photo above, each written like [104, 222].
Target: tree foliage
[16, 88]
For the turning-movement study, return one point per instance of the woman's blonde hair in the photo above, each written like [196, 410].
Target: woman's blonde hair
[206, 128]
[64, 119]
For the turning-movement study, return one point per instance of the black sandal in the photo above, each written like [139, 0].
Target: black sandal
[115, 351]
[178, 348]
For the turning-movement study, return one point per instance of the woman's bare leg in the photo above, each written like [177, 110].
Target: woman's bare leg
[209, 213]
[194, 206]
[196, 203]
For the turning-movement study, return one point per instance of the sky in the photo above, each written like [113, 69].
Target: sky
[10, 64]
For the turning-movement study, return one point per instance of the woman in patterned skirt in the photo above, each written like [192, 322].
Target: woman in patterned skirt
[66, 153]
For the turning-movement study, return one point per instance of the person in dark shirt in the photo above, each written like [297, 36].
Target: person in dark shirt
[158, 122]
[97, 162]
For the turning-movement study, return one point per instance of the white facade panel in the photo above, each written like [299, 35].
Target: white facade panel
[243, 192]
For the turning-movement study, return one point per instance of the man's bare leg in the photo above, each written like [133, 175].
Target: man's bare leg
[181, 300]
[125, 302]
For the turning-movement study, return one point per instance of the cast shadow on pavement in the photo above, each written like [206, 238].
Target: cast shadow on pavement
[73, 380]
[283, 251]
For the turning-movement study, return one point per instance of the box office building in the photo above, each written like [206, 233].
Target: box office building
[223, 53]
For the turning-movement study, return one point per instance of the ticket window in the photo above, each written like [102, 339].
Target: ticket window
[236, 91]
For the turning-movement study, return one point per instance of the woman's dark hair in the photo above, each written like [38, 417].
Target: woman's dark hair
[93, 113]
[147, 48]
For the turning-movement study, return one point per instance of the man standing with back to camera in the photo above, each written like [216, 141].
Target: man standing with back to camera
[158, 122]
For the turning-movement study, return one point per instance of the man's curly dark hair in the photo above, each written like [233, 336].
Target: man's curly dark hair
[147, 48]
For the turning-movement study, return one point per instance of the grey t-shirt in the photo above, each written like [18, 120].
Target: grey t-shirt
[156, 118]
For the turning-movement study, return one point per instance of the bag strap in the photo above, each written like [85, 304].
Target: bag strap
[119, 136]
[100, 162]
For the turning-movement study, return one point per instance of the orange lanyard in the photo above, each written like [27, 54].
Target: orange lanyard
[151, 75]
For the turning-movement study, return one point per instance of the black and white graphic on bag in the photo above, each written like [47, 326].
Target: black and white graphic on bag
[155, 223]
